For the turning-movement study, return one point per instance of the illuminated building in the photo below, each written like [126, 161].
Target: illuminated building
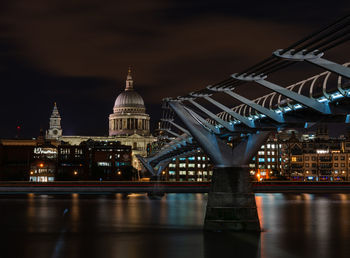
[128, 124]
[195, 168]
[55, 130]
[266, 164]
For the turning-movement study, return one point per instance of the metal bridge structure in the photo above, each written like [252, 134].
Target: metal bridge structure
[231, 137]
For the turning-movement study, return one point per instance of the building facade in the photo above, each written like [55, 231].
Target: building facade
[194, 168]
[129, 124]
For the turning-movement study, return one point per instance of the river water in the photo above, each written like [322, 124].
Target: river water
[294, 225]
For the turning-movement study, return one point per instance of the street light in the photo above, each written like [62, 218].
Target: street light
[75, 172]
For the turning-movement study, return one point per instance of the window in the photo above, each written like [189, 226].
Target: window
[182, 172]
[342, 165]
[172, 165]
[336, 164]
[261, 153]
[307, 165]
[104, 164]
[182, 165]
[294, 159]
[191, 165]
[335, 157]
[342, 157]
[307, 158]
[313, 158]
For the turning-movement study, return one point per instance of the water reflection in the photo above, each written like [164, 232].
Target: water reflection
[238, 245]
[295, 225]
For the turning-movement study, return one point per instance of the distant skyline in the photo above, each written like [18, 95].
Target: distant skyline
[77, 53]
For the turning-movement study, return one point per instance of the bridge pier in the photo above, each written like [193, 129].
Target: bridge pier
[231, 202]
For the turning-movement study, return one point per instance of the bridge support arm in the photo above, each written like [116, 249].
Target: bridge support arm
[237, 116]
[315, 58]
[301, 99]
[269, 113]
[146, 164]
[212, 116]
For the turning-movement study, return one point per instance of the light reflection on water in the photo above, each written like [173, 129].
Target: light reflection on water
[294, 225]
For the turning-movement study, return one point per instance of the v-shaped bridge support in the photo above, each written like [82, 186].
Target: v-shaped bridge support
[231, 202]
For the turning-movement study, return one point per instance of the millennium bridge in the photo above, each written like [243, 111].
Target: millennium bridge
[232, 137]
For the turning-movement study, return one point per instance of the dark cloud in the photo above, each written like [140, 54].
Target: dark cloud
[77, 52]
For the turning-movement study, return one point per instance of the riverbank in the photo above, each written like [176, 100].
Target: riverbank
[110, 187]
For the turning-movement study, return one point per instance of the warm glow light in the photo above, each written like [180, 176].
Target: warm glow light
[163, 172]
[41, 165]
[294, 159]
[119, 172]
[31, 172]
[75, 172]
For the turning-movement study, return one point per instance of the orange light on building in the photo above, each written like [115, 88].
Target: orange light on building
[41, 165]
[31, 172]
[119, 173]
[163, 172]
[75, 173]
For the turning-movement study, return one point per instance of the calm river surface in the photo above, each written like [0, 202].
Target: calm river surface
[295, 225]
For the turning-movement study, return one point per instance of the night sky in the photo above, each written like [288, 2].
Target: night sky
[77, 52]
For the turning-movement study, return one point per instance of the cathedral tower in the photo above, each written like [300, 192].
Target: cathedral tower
[55, 130]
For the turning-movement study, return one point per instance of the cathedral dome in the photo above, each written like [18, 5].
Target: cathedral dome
[129, 98]
[129, 113]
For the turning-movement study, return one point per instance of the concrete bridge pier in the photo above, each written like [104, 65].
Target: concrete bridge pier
[231, 202]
